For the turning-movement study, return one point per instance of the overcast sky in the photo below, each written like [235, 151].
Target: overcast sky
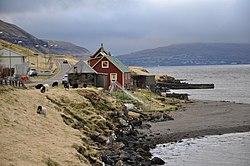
[125, 26]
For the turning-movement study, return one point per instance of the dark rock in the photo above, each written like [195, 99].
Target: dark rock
[107, 160]
[145, 126]
[101, 139]
[119, 163]
[124, 156]
[140, 150]
[94, 135]
[115, 157]
[132, 133]
[97, 137]
[146, 163]
[110, 125]
[136, 122]
[123, 122]
[146, 147]
[120, 145]
[137, 157]
[156, 116]
[131, 162]
[120, 114]
[167, 117]
[158, 161]
[147, 154]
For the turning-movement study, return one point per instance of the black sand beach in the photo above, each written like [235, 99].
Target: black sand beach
[196, 119]
[201, 118]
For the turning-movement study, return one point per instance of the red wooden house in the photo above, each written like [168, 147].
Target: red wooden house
[103, 62]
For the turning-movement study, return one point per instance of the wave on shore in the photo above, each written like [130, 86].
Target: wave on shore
[227, 149]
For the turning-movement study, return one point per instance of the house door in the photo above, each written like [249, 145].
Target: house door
[102, 81]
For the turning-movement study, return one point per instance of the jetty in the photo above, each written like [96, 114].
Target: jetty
[184, 85]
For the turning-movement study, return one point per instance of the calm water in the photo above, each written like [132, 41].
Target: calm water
[232, 82]
[217, 150]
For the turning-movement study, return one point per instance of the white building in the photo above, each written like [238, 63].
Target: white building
[9, 58]
[15, 61]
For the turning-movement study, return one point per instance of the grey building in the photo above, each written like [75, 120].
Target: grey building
[144, 81]
[81, 74]
[12, 61]
[9, 58]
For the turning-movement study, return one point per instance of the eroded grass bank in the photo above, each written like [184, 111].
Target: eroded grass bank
[68, 134]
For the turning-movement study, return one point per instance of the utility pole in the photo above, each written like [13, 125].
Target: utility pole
[36, 61]
[10, 58]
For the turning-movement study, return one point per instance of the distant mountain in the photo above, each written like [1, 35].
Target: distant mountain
[190, 54]
[14, 34]
[62, 47]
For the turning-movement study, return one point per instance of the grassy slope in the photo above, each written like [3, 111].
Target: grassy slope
[28, 138]
[31, 139]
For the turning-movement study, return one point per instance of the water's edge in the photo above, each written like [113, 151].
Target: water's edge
[232, 83]
[227, 149]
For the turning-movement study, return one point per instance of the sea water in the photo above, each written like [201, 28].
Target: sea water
[232, 83]
[218, 150]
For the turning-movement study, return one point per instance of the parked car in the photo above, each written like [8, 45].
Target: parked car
[32, 73]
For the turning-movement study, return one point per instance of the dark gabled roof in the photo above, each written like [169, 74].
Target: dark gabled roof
[118, 64]
[99, 51]
[82, 67]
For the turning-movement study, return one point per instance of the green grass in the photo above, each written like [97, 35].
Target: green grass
[123, 98]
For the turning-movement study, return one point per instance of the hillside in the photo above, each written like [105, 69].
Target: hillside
[76, 128]
[62, 47]
[60, 138]
[13, 34]
[190, 54]
[31, 139]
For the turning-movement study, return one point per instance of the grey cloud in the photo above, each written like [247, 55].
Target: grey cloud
[129, 25]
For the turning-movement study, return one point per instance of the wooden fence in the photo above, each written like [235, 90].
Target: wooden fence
[16, 83]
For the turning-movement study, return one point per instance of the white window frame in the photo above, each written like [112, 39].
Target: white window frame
[105, 65]
[111, 76]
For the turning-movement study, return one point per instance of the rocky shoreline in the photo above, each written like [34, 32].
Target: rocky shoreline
[130, 147]
[83, 127]
[196, 119]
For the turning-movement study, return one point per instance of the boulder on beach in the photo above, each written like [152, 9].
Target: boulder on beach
[158, 161]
